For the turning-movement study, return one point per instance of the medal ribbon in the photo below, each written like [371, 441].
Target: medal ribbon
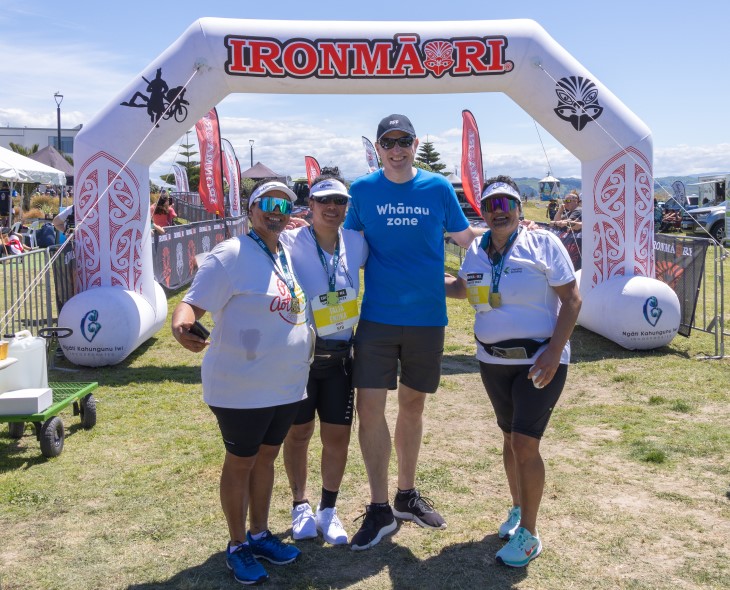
[284, 273]
[331, 278]
[498, 260]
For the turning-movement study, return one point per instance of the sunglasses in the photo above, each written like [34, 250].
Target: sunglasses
[502, 203]
[336, 199]
[388, 143]
[269, 205]
[568, 200]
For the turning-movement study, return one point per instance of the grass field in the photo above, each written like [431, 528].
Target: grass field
[636, 494]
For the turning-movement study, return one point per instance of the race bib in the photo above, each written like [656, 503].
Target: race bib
[477, 290]
[331, 317]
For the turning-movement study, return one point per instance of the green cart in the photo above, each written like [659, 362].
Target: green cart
[49, 428]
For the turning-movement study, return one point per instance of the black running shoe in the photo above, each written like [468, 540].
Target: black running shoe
[377, 523]
[419, 509]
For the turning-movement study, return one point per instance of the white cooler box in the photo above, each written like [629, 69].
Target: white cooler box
[21, 402]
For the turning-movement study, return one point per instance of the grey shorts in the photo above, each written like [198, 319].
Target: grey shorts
[379, 348]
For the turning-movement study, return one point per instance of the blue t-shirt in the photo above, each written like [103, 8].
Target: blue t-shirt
[404, 226]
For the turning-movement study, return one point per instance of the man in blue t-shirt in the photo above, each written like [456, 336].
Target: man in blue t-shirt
[403, 213]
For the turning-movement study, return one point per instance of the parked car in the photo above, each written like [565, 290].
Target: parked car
[704, 220]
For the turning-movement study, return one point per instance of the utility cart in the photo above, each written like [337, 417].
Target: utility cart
[37, 400]
[48, 425]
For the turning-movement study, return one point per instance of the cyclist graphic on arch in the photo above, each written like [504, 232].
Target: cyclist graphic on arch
[160, 98]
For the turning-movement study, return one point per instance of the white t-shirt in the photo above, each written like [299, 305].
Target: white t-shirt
[529, 306]
[259, 350]
[312, 276]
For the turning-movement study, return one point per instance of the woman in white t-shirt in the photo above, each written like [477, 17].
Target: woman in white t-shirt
[522, 286]
[255, 370]
[327, 261]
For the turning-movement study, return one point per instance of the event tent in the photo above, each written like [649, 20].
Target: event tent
[50, 156]
[15, 168]
[260, 170]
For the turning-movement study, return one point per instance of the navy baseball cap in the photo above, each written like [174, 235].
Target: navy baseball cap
[395, 123]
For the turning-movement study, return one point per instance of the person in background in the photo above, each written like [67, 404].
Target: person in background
[254, 372]
[327, 261]
[570, 214]
[64, 222]
[163, 214]
[522, 286]
[403, 212]
[552, 208]
[12, 243]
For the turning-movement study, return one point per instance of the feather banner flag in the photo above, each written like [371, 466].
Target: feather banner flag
[231, 169]
[181, 178]
[371, 156]
[211, 177]
[313, 170]
[472, 173]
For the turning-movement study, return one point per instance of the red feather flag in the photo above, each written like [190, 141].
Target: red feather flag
[472, 174]
[312, 166]
[211, 177]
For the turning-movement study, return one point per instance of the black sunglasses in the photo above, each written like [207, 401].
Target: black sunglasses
[336, 199]
[387, 143]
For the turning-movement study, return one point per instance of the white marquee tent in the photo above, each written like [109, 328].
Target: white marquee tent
[15, 168]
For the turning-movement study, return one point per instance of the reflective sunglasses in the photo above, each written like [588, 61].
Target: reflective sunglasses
[269, 204]
[387, 143]
[491, 204]
[336, 199]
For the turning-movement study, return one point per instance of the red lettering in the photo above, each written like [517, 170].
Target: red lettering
[469, 54]
[334, 58]
[408, 58]
[235, 56]
[300, 52]
[371, 61]
[496, 48]
[263, 57]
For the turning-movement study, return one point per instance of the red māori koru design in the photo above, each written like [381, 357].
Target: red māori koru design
[109, 241]
[624, 181]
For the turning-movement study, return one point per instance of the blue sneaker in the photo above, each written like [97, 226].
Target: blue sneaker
[272, 549]
[509, 527]
[244, 566]
[522, 548]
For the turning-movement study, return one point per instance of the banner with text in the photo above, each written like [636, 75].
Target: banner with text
[173, 253]
[211, 177]
[680, 263]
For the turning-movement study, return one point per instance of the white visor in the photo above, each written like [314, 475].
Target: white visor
[328, 187]
[501, 188]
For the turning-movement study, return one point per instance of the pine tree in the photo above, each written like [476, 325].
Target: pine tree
[429, 156]
[192, 167]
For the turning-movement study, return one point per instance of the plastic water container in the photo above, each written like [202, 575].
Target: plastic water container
[30, 371]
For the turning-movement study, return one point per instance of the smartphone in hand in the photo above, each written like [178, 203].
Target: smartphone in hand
[199, 330]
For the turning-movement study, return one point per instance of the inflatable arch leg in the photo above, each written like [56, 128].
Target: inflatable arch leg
[216, 57]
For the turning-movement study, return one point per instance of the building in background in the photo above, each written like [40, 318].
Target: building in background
[43, 136]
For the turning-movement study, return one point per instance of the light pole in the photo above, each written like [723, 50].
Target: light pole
[250, 142]
[58, 97]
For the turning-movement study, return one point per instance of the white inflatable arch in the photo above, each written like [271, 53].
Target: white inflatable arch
[119, 305]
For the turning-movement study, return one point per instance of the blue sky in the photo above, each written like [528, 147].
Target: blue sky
[666, 62]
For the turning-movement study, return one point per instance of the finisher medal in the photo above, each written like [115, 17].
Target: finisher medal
[332, 298]
[495, 299]
[295, 308]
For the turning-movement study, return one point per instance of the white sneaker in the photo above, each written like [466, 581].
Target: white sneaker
[508, 528]
[303, 525]
[522, 548]
[330, 526]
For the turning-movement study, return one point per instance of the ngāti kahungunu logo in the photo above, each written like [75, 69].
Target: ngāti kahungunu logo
[577, 101]
[89, 326]
[652, 311]
[403, 56]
